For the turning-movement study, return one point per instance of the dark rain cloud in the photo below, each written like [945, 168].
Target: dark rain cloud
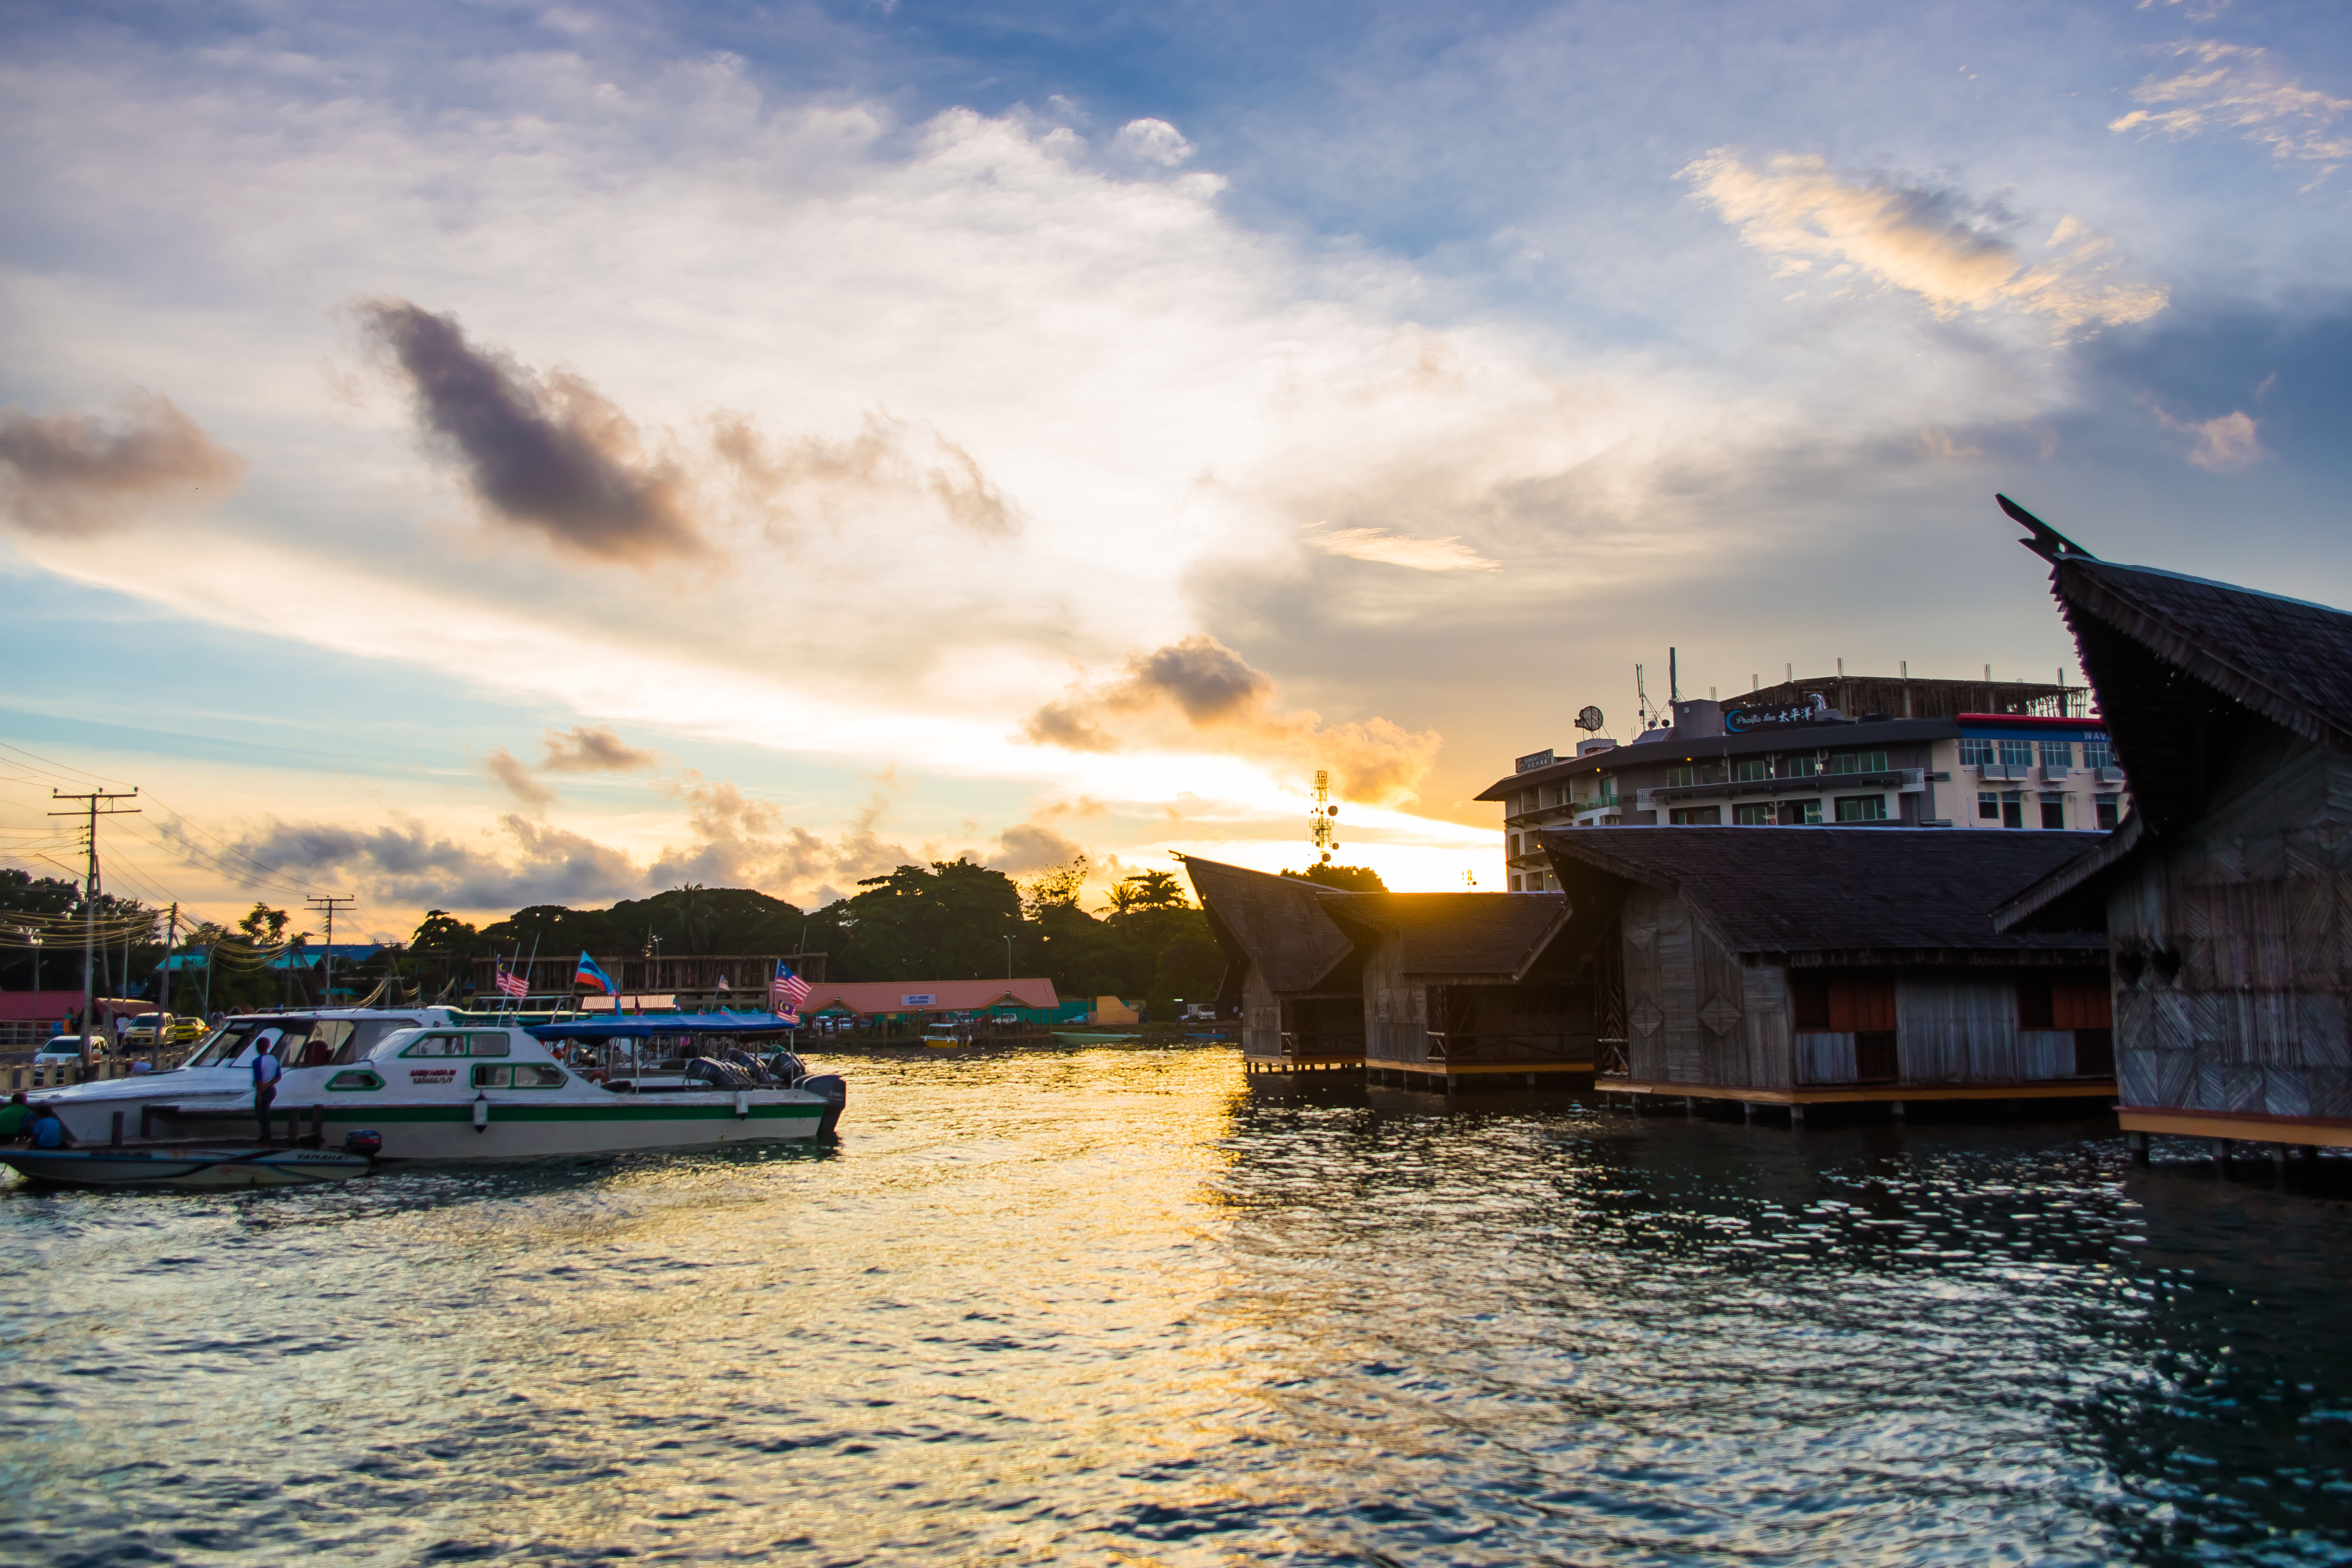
[76, 473]
[541, 451]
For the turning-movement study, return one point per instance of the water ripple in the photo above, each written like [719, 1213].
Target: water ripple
[1123, 1307]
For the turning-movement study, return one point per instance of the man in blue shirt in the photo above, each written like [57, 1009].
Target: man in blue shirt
[47, 1130]
[266, 1071]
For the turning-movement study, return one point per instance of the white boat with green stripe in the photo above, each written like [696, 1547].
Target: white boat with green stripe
[487, 1093]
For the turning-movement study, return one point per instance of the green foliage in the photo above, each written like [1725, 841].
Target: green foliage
[1147, 891]
[947, 922]
[1056, 888]
[555, 931]
[263, 926]
[695, 918]
[442, 935]
[1347, 879]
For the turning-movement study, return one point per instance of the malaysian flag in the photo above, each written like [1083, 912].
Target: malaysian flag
[787, 990]
[512, 984]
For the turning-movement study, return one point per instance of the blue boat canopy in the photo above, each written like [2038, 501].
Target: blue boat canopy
[646, 1025]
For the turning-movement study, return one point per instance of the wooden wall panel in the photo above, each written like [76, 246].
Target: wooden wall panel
[1645, 1014]
[1822, 1059]
[1764, 1026]
[1261, 1017]
[1678, 994]
[1395, 1026]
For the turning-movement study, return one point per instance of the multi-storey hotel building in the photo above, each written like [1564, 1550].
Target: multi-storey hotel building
[1805, 763]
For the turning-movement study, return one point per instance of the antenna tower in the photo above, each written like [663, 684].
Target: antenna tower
[1322, 832]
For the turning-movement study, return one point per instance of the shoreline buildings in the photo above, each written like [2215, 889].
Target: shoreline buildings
[1967, 754]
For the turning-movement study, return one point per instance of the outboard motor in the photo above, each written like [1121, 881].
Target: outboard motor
[726, 1074]
[833, 1090]
[786, 1068]
[368, 1143]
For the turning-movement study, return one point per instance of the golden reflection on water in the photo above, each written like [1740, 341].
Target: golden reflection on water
[1121, 1306]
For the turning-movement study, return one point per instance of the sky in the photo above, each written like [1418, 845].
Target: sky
[458, 456]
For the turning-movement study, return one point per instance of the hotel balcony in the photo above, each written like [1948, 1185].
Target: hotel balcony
[1902, 781]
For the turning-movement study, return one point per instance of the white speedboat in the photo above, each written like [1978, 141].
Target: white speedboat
[223, 1064]
[490, 1091]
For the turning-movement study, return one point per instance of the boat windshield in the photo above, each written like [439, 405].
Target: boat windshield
[297, 1042]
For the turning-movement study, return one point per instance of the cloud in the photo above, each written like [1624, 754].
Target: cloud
[1028, 848]
[407, 864]
[545, 452]
[889, 460]
[2232, 87]
[1152, 142]
[2227, 445]
[1933, 243]
[580, 750]
[1392, 549]
[75, 473]
[1227, 704]
[504, 768]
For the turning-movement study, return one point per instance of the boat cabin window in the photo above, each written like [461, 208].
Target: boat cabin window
[520, 1075]
[365, 1034]
[487, 1043]
[356, 1078]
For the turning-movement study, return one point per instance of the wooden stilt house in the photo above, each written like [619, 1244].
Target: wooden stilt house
[1421, 986]
[1801, 966]
[2226, 896]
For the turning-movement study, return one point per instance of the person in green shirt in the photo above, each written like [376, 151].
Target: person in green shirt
[12, 1117]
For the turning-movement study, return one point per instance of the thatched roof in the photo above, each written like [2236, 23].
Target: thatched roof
[1277, 922]
[1496, 936]
[1848, 890]
[1297, 932]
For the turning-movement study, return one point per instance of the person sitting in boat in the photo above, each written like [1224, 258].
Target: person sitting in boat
[47, 1130]
[14, 1118]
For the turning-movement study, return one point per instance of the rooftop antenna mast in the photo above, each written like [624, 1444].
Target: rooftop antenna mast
[1322, 831]
[1641, 698]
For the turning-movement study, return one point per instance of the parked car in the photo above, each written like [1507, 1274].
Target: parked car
[186, 1030]
[63, 1048]
[141, 1032]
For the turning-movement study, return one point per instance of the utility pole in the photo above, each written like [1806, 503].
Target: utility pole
[328, 901]
[95, 809]
[171, 935]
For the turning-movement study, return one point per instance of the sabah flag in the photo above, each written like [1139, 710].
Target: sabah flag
[589, 975]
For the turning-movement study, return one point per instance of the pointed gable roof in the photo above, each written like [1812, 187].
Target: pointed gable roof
[1278, 922]
[1496, 936]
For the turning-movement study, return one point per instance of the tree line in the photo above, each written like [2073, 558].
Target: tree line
[948, 920]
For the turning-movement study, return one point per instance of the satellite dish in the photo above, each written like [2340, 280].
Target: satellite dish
[1589, 719]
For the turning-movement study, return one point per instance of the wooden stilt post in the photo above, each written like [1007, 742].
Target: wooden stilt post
[2139, 1148]
[2220, 1150]
[1896, 1107]
[1747, 1111]
[1796, 1119]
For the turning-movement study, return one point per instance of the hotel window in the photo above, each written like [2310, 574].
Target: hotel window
[1800, 814]
[2017, 753]
[1988, 805]
[1681, 778]
[1858, 763]
[2012, 808]
[2053, 811]
[1861, 808]
[1513, 840]
[1517, 883]
[1804, 766]
[2110, 812]
[2098, 753]
[1976, 754]
[1752, 816]
[1696, 817]
[1755, 770]
[2057, 753]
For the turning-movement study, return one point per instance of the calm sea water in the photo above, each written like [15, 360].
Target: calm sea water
[1123, 1309]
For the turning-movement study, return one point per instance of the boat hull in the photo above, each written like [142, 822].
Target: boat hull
[448, 1130]
[222, 1168]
